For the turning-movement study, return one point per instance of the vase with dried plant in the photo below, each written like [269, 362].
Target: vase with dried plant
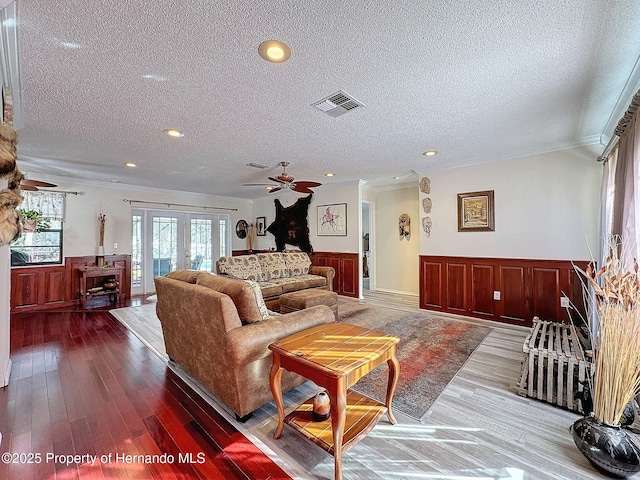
[102, 220]
[613, 314]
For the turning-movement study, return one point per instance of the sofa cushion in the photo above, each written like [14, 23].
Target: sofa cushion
[272, 265]
[291, 284]
[245, 267]
[246, 295]
[270, 289]
[189, 276]
[313, 281]
[297, 262]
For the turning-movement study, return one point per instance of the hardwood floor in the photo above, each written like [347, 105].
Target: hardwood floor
[82, 384]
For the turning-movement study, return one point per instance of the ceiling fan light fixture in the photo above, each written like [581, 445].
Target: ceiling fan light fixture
[274, 51]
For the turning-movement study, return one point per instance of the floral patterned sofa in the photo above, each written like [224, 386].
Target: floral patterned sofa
[277, 273]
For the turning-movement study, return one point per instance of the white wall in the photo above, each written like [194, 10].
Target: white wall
[81, 229]
[546, 207]
[5, 307]
[396, 258]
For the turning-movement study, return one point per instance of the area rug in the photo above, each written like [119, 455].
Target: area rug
[431, 351]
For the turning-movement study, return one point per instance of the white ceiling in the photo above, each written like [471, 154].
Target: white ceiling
[476, 80]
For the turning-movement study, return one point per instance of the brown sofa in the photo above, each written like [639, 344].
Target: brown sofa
[277, 273]
[218, 329]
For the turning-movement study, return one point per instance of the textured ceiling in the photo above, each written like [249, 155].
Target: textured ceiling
[475, 80]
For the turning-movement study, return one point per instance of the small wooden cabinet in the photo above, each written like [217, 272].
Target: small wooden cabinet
[92, 278]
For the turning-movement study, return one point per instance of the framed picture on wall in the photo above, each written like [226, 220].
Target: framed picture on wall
[261, 226]
[332, 219]
[476, 212]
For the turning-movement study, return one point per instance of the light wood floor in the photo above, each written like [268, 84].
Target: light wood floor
[479, 428]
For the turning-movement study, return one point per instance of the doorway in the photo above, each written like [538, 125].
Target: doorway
[164, 241]
[368, 242]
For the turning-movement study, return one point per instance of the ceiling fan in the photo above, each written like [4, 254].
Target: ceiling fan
[34, 185]
[285, 181]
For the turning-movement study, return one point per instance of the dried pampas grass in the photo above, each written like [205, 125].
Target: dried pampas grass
[616, 336]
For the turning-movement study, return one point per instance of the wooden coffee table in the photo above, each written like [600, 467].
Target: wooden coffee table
[335, 356]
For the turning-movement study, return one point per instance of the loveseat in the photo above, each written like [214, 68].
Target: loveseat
[277, 273]
[217, 329]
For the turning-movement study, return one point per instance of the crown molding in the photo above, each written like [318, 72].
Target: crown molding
[630, 89]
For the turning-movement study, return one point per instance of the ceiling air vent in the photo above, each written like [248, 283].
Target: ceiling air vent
[257, 165]
[337, 104]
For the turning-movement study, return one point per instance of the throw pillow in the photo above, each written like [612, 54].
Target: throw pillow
[298, 263]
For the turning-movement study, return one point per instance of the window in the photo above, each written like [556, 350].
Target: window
[42, 243]
[38, 248]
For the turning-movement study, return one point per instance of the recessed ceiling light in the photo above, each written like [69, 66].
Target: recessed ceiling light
[396, 178]
[329, 174]
[274, 51]
[130, 164]
[429, 153]
[174, 133]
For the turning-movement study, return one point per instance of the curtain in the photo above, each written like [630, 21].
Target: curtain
[607, 195]
[621, 195]
[51, 204]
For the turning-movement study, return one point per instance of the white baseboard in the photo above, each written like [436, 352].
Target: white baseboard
[397, 292]
[7, 374]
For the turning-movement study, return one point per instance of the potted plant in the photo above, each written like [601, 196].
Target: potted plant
[613, 293]
[33, 221]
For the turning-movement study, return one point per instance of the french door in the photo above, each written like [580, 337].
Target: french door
[164, 241]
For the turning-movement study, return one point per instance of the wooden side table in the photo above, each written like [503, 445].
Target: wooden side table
[335, 356]
[99, 272]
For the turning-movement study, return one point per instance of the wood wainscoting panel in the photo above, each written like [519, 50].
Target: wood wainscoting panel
[37, 287]
[25, 286]
[347, 279]
[545, 292]
[456, 287]
[512, 286]
[54, 290]
[526, 287]
[431, 285]
[482, 288]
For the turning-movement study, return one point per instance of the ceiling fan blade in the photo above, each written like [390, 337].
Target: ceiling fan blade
[281, 179]
[257, 184]
[275, 189]
[308, 184]
[35, 183]
[30, 188]
[301, 189]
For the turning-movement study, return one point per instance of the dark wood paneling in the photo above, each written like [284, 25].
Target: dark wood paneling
[350, 277]
[514, 305]
[456, 286]
[527, 288]
[346, 281]
[54, 290]
[431, 285]
[482, 288]
[545, 292]
[25, 286]
[39, 287]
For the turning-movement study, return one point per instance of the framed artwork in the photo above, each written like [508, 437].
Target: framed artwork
[476, 212]
[261, 226]
[332, 219]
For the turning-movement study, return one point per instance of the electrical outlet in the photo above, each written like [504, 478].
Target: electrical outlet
[115, 246]
[564, 302]
[496, 295]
